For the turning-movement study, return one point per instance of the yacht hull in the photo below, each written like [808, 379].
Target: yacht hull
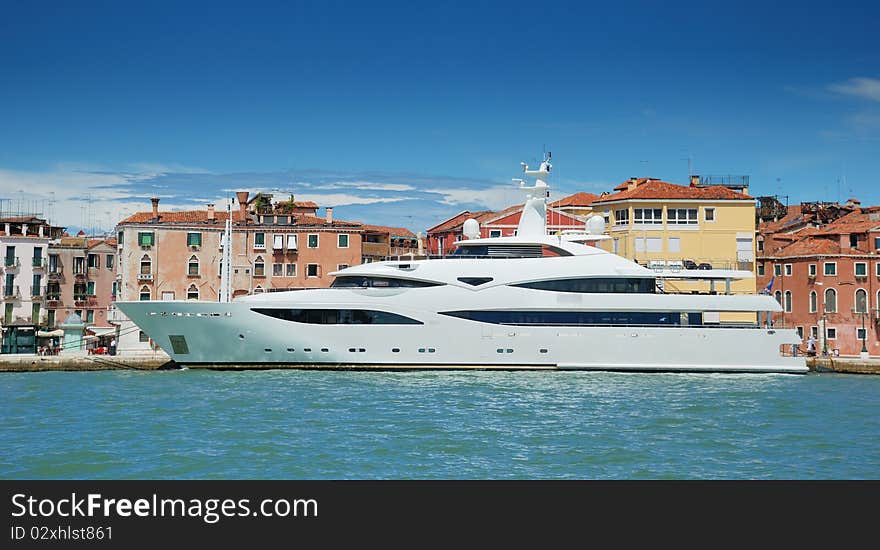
[233, 336]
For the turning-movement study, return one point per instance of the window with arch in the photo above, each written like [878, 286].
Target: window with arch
[778, 296]
[192, 266]
[145, 293]
[192, 293]
[830, 300]
[814, 302]
[788, 301]
[861, 301]
[259, 267]
[146, 265]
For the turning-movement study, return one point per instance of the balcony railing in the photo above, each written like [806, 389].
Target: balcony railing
[10, 261]
[145, 276]
[39, 263]
[38, 291]
[10, 291]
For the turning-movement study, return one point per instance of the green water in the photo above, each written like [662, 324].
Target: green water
[471, 425]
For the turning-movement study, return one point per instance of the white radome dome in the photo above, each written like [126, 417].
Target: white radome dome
[596, 225]
[471, 229]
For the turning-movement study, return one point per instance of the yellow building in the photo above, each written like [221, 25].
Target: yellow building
[660, 224]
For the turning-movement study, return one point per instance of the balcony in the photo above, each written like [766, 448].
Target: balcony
[79, 300]
[38, 291]
[56, 273]
[11, 262]
[53, 303]
[145, 277]
[39, 263]
[11, 292]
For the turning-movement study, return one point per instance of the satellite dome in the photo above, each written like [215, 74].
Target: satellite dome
[596, 225]
[471, 229]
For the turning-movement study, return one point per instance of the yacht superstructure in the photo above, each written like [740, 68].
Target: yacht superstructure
[531, 301]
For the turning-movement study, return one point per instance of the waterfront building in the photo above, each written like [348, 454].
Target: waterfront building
[824, 263]
[578, 204]
[380, 242]
[671, 226]
[81, 279]
[24, 241]
[276, 245]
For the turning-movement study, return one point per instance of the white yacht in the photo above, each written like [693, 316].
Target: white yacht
[531, 301]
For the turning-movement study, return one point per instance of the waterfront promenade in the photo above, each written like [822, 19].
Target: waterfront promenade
[159, 360]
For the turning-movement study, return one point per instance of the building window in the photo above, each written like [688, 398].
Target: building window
[342, 240]
[760, 269]
[109, 260]
[648, 215]
[674, 244]
[146, 239]
[90, 316]
[812, 270]
[800, 332]
[90, 288]
[878, 270]
[788, 270]
[192, 267]
[340, 267]
[192, 293]
[682, 216]
[853, 240]
[146, 265]
[830, 268]
[145, 293]
[313, 240]
[777, 270]
[710, 214]
[861, 334]
[142, 336]
[861, 269]
[788, 301]
[760, 245]
[861, 301]
[277, 270]
[876, 243]
[494, 233]
[778, 296]
[312, 270]
[831, 333]
[814, 301]
[119, 238]
[291, 270]
[259, 240]
[621, 217]
[259, 267]
[606, 215]
[193, 239]
[291, 242]
[814, 332]
[93, 261]
[283, 220]
[830, 300]
[277, 242]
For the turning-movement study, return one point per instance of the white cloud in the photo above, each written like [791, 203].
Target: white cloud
[494, 198]
[365, 185]
[866, 88]
[341, 199]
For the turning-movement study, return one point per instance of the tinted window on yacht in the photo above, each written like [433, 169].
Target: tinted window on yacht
[337, 316]
[379, 282]
[475, 281]
[509, 251]
[618, 285]
[569, 318]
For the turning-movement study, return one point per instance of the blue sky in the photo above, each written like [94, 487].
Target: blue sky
[404, 113]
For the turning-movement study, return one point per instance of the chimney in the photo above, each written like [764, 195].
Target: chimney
[633, 183]
[211, 212]
[695, 180]
[242, 204]
[155, 201]
[329, 214]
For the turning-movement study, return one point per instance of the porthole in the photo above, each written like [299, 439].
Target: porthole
[395, 350]
[361, 350]
[421, 350]
[499, 350]
[308, 350]
[431, 350]
[291, 350]
[508, 350]
[241, 336]
[268, 350]
[325, 350]
[543, 350]
[351, 350]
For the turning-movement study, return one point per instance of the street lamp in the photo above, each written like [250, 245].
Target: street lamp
[862, 312]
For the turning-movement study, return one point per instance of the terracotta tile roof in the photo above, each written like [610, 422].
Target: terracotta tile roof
[578, 199]
[854, 222]
[457, 220]
[810, 246]
[393, 231]
[656, 189]
[201, 216]
[95, 242]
